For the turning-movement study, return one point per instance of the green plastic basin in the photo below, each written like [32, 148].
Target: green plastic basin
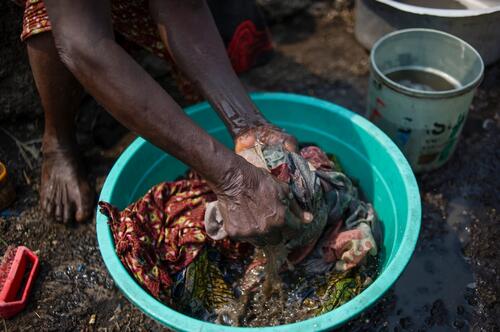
[366, 154]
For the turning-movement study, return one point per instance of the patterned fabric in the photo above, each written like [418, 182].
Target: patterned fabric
[162, 233]
[348, 248]
[35, 20]
[338, 289]
[201, 288]
[239, 22]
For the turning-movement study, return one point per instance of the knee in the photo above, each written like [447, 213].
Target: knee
[70, 50]
[76, 52]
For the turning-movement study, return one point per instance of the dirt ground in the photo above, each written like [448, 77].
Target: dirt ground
[452, 282]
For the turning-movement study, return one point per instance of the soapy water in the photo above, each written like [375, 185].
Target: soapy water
[298, 294]
[304, 295]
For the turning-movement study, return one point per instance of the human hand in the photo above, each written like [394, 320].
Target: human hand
[267, 135]
[256, 207]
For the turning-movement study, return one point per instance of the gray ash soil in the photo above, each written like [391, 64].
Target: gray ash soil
[452, 282]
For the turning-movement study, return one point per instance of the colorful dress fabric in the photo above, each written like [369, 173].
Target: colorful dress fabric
[163, 232]
[240, 24]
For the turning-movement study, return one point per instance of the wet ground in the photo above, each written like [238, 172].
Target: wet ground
[452, 282]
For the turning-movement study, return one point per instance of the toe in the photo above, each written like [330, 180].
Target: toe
[58, 204]
[68, 206]
[43, 202]
[50, 201]
[43, 199]
[49, 210]
[84, 205]
[82, 213]
[46, 196]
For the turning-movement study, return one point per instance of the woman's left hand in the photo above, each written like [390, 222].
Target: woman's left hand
[267, 135]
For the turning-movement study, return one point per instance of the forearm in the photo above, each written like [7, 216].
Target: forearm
[197, 49]
[118, 83]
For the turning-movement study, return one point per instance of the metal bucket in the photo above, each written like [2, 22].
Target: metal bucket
[475, 21]
[425, 121]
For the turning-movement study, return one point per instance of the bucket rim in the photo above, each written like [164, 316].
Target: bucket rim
[440, 12]
[325, 322]
[421, 93]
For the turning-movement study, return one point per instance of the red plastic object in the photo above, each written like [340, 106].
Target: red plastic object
[13, 297]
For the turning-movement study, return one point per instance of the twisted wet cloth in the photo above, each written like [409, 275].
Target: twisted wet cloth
[320, 188]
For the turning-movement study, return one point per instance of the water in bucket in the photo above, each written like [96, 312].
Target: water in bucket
[422, 79]
[421, 86]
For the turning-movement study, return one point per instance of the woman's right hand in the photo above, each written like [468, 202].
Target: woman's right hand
[252, 204]
[256, 207]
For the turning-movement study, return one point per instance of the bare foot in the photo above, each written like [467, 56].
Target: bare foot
[65, 193]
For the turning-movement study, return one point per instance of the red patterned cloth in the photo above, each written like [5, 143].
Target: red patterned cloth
[163, 232]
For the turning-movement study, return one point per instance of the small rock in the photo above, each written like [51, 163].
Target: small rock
[92, 319]
[471, 285]
[488, 124]
[309, 303]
